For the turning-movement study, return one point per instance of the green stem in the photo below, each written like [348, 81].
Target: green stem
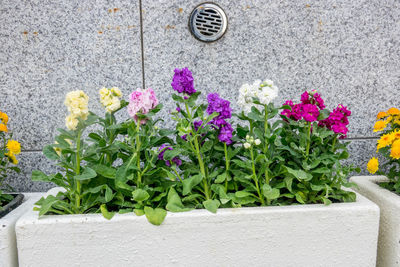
[176, 172]
[77, 171]
[255, 177]
[333, 144]
[265, 142]
[308, 140]
[139, 180]
[227, 167]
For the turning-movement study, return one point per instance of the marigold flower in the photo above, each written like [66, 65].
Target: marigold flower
[385, 140]
[393, 111]
[379, 126]
[381, 115]
[12, 157]
[373, 165]
[395, 152]
[3, 128]
[396, 134]
[3, 117]
[14, 147]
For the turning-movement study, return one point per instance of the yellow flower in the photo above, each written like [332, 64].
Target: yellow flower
[12, 157]
[116, 91]
[393, 111]
[396, 134]
[388, 119]
[77, 103]
[14, 147]
[3, 117]
[109, 98]
[386, 139]
[373, 165]
[71, 122]
[381, 115]
[379, 126]
[3, 128]
[396, 121]
[395, 152]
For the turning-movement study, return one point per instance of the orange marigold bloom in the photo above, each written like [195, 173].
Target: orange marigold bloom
[3, 128]
[393, 111]
[396, 134]
[379, 126]
[3, 117]
[395, 152]
[381, 115]
[386, 139]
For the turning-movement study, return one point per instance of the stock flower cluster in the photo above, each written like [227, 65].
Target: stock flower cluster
[182, 82]
[265, 91]
[162, 150]
[222, 107]
[141, 101]
[77, 104]
[309, 109]
[110, 98]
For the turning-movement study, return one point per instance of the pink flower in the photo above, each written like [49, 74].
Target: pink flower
[309, 112]
[141, 101]
[305, 98]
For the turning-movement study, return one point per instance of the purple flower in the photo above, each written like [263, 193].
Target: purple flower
[319, 101]
[178, 109]
[183, 81]
[305, 98]
[225, 134]
[163, 148]
[197, 125]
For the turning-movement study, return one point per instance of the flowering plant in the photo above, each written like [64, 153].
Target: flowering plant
[200, 158]
[9, 148]
[108, 171]
[309, 138]
[388, 145]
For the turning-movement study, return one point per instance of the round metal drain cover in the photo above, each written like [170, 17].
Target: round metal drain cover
[208, 22]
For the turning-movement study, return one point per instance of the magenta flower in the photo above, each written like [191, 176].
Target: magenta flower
[337, 121]
[175, 160]
[141, 102]
[305, 98]
[309, 112]
[319, 101]
[182, 82]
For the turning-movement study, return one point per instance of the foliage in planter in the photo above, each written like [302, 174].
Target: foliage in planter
[388, 145]
[113, 169]
[9, 148]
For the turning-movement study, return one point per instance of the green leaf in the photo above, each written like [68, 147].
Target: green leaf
[191, 182]
[50, 153]
[326, 201]
[220, 178]
[211, 205]
[270, 193]
[206, 146]
[241, 194]
[288, 181]
[46, 204]
[299, 198]
[39, 176]
[170, 154]
[108, 215]
[177, 98]
[174, 202]
[105, 171]
[299, 174]
[140, 195]
[155, 216]
[109, 194]
[87, 174]
[138, 212]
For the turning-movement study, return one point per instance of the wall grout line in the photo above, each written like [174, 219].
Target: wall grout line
[142, 43]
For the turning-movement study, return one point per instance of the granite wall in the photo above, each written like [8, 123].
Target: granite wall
[348, 50]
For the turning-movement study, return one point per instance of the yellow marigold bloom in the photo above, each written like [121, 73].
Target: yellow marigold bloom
[381, 115]
[386, 140]
[14, 147]
[393, 111]
[396, 121]
[396, 134]
[379, 126]
[3, 117]
[3, 128]
[373, 165]
[12, 158]
[388, 119]
[395, 152]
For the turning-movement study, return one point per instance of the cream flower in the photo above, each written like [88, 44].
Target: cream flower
[110, 98]
[77, 103]
[71, 122]
[265, 91]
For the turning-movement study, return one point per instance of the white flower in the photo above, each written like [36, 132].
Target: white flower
[77, 104]
[114, 104]
[265, 91]
[257, 142]
[246, 145]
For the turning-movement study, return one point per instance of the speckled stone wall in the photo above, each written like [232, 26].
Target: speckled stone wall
[348, 50]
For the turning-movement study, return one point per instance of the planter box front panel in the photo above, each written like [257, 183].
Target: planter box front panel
[8, 245]
[389, 229]
[311, 235]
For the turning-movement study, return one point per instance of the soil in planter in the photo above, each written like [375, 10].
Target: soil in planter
[10, 202]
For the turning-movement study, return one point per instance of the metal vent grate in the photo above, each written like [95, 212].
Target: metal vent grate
[208, 22]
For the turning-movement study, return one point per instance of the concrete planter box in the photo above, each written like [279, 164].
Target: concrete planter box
[389, 229]
[8, 245]
[342, 234]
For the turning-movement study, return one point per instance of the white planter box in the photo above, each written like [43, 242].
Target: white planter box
[342, 234]
[8, 245]
[389, 229]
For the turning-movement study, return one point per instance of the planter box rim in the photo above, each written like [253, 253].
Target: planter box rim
[372, 181]
[33, 216]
